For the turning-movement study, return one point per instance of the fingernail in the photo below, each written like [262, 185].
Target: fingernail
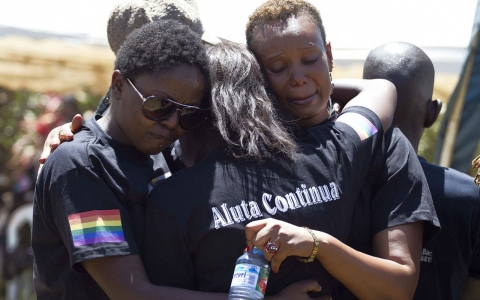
[248, 248]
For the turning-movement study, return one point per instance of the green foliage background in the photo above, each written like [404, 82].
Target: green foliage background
[18, 108]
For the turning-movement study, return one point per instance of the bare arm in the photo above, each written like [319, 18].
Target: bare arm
[378, 95]
[471, 289]
[124, 277]
[392, 275]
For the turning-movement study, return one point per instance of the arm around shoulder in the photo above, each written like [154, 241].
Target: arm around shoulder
[378, 95]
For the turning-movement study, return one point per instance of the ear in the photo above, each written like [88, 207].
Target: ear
[328, 50]
[433, 110]
[118, 84]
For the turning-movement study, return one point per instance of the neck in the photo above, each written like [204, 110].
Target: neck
[413, 136]
[105, 121]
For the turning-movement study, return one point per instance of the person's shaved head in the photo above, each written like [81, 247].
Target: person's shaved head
[128, 15]
[412, 73]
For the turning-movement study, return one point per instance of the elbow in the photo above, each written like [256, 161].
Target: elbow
[406, 289]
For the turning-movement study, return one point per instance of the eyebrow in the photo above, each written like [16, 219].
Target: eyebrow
[273, 56]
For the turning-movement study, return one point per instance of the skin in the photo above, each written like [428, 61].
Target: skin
[471, 289]
[297, 62]
[297, 65]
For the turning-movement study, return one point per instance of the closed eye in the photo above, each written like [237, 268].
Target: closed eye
[311, 61]
[276, 71]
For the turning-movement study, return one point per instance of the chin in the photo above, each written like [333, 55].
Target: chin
[152, 150]
[155, 151]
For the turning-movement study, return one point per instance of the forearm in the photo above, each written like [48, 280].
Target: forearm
[378, 95]
[124, 278]
[170, 293]
[471, 289]
[345, 90]
[370, 277]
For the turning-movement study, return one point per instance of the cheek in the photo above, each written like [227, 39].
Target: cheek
[276, 84]
[179, 132]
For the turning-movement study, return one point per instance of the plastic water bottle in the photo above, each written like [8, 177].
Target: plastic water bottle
[250, 277]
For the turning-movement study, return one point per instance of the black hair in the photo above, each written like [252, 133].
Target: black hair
[282, 10]
[243, 111]
[159, 46]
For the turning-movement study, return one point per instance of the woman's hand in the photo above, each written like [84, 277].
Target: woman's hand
[289, 239]
[299, 290]
[57, 136]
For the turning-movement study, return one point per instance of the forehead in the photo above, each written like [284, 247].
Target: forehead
[295, 26]
[182, 83]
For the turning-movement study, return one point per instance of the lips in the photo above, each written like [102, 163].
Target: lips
[158, 136]
[302, 100]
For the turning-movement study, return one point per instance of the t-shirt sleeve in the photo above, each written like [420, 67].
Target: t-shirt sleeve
[401, 194]
[363, 140]
[362, 125]
[91, 219]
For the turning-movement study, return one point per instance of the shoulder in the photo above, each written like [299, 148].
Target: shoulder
[77, 153]
[188, 181]
[217, 174]
[364, 121]
[450, 182]
[67, 156]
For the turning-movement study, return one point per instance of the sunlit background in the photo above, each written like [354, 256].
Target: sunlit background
[55, 61]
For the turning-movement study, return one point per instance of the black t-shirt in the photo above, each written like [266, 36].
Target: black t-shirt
[387, 183]
[454, 253]
[88, 203]
[195, 220]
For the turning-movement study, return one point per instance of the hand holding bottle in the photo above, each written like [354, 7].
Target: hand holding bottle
[287, 239]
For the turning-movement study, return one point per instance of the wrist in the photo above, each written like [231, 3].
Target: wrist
[314, 249]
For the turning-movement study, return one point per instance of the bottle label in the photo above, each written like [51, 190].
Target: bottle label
[251, 276]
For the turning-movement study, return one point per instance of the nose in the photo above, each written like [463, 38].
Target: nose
[298, 78]
[171, 122]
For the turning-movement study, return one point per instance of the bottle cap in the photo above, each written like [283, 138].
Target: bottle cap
[256, 250]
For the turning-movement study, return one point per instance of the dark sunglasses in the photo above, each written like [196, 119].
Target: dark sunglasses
[157, 108]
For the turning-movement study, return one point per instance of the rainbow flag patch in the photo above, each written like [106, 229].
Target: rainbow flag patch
[96, 226]
[360, 124]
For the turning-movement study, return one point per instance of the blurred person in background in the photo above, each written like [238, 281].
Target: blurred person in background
[22, 168]
[450, 262]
